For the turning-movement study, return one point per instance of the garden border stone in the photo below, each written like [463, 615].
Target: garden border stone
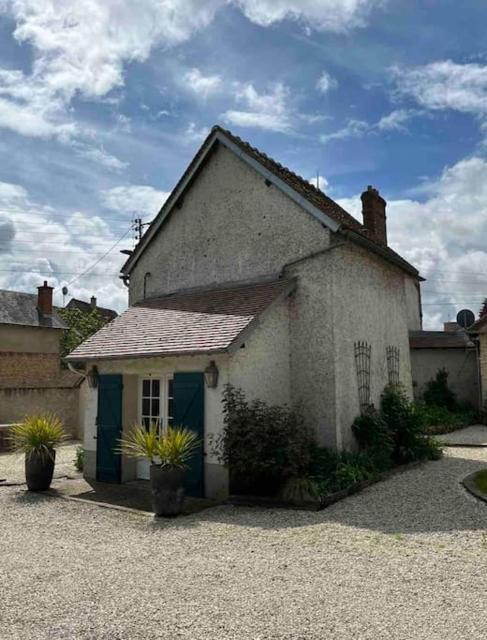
[326, 501]
[471, 487]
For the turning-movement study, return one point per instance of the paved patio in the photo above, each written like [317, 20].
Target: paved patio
[405, 559]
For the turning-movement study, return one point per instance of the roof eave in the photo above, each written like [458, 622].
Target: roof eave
[139, 356]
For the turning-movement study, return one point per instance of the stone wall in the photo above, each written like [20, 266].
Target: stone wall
[16, 403]
[24, 367]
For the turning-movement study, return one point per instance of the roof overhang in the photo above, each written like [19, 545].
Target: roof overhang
[215, 138]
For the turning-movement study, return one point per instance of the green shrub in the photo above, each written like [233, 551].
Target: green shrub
[438, 392]
[336, 470]
[263, 446]
[79, 460]
[406, 427]
[373, 436]
[437, 420]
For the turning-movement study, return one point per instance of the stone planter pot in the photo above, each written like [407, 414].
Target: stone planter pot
[167, 490]
[39, 471]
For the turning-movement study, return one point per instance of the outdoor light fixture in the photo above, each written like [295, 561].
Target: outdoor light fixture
[211, 375]
[93, 378]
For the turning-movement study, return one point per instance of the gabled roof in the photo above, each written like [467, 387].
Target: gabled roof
[438, 339]
[313, 200]
[20, 308]
[189, 323]
[108, 314]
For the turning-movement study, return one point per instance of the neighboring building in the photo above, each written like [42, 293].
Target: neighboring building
[31, 377]
[251, 270]
[88, 307]
[451, 349]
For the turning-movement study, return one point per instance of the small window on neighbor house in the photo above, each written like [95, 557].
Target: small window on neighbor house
[393, 354]
[151, 402]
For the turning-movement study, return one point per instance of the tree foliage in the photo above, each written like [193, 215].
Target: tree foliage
[81, 326]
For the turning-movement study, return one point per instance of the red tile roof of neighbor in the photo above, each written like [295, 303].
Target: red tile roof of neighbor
[347, 223]
[199, 321]
[437, 340]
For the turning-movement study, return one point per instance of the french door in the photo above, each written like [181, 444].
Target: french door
[156, 405]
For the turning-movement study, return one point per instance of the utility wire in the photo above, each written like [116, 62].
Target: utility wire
[101, 258]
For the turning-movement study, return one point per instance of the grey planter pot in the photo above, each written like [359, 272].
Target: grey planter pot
[167, 490]
[39, 471]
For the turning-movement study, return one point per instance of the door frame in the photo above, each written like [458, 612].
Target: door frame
[143, 465]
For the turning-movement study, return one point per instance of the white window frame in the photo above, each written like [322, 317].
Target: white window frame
[163, 397]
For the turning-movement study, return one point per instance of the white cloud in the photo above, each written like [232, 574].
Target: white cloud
[394, 121]
[40, 243]
[200, 84]
[326, 82]
[194, 133]
[270, 111]
[445, 237]
[322, 15]
[140, 199]
[445, 85]
[353, 129]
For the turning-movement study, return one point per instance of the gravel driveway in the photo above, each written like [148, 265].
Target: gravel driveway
[407, 558]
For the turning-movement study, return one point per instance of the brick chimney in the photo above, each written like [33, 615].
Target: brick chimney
[374, 214]
[44, 299]
[93, 302]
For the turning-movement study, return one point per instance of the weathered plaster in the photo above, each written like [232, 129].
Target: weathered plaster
[29, 339]
[462, 368]
[231, 227]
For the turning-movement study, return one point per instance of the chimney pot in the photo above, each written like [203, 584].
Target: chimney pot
[93, 302]
[44, 299]
[374, 214]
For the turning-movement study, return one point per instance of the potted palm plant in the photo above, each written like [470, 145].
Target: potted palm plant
[168, 452]
[38, 436]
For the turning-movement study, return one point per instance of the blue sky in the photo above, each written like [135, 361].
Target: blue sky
[104, 102]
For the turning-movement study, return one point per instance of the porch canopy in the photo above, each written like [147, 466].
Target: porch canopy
[187, 323]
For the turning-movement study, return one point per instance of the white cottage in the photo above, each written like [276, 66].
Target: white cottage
[255, 277]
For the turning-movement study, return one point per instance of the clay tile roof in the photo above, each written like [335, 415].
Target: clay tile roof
[312, 194]
[200, 321]
[437, 340]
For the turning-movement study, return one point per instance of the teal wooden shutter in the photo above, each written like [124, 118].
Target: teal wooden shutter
[109, 428]
[189, 407]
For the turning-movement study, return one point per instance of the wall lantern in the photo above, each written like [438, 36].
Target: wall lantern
[93, 377]
[211, 375]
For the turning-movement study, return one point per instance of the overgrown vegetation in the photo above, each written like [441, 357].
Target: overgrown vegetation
[81, 325]
[79, 459]
[270, 451]
[263, 446]
[440, 412]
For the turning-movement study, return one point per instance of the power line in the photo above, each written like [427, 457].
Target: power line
[101, 258]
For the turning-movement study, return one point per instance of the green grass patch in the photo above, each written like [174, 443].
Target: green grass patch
[481, 481]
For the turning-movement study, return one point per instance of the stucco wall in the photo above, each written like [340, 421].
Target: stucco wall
[231, 227]
[483, 366]
[461, 366]
[29, 339]
[344, 296]
[412, 294]
[263, 368]
[16, 403]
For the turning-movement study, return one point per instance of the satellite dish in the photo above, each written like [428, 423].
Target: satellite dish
[65, 291]
[465, 318]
